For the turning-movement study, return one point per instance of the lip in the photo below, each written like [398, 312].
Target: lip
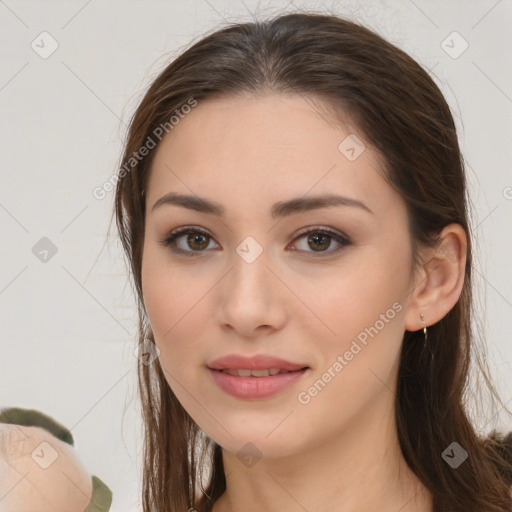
[255, 387]
[256, 362]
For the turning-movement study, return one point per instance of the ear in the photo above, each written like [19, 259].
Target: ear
[439, 281]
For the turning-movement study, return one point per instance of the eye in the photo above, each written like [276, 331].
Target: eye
[321, 238]
[198, 240]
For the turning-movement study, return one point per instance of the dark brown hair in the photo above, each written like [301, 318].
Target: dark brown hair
[402, 113]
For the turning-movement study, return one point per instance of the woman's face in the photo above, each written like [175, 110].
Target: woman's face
[248, 282]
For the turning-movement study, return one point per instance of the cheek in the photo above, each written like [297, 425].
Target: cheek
[162, 289]
[167, 314]
[359, 361]
[356, 299]
[363, 309]
[174, 299]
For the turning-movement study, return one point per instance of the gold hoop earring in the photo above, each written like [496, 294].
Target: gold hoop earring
[424, 329]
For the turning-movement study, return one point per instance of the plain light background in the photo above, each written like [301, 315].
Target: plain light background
[68, 328]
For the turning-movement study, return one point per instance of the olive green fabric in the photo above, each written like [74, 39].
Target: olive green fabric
[101, 497]
[33, 418]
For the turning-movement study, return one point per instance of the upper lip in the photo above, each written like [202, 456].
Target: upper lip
[257, 362]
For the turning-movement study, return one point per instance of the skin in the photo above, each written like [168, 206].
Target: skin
[339, 451]
[40, 472]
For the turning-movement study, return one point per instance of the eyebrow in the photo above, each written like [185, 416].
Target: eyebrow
[279, 210]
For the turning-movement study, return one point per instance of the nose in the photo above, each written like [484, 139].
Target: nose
[252, 298]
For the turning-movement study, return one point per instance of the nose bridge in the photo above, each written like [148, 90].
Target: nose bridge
[250, 272]
[250, 296]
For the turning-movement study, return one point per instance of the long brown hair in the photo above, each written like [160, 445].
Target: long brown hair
[400, 110]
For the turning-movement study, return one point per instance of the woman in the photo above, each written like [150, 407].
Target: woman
[292, 204]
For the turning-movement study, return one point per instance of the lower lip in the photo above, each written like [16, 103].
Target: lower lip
[255, 387]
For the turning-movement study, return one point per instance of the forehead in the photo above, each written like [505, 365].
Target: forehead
[266, 148]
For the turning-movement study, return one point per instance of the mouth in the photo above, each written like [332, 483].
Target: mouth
[259, 384]
[268, 372]
[241, 364]
[255, 377]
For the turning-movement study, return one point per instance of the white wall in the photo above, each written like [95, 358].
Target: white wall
[68, 328]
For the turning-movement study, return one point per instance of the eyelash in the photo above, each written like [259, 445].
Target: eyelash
[185, 230]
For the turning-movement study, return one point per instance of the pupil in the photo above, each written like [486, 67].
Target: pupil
[196, 238]
[319, 236]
